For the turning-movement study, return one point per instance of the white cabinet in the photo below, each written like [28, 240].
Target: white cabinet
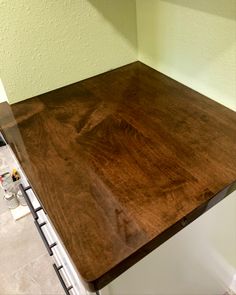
[199, 260]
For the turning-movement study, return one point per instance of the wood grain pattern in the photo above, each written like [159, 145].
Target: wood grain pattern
[121, 162]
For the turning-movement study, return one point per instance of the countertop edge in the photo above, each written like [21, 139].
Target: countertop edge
[139, 254]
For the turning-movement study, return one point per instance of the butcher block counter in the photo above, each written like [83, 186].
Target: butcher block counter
[121, 162]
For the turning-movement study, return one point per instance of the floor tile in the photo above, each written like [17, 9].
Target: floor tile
[19, 243]
[3, 207]
[19, 283]
[42, 272]
[35, 278]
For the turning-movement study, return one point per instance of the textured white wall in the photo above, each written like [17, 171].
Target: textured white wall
[48, 44]
[193, 42]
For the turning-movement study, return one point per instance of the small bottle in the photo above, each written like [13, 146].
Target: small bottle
[21, 199]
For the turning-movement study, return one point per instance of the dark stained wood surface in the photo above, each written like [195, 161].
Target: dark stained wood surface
[121, 162]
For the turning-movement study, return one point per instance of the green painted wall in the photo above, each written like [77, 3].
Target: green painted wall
[193, 42]
[46, 44]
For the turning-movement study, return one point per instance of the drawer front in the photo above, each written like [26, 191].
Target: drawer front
[61, 259]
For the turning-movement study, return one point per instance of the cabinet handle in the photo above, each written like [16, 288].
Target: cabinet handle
[57, 270]
[27, 199]
[47, 245]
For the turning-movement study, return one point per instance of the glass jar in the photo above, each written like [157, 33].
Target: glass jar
[11, 200]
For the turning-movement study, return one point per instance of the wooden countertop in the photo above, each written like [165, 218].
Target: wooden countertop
[121, 162]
